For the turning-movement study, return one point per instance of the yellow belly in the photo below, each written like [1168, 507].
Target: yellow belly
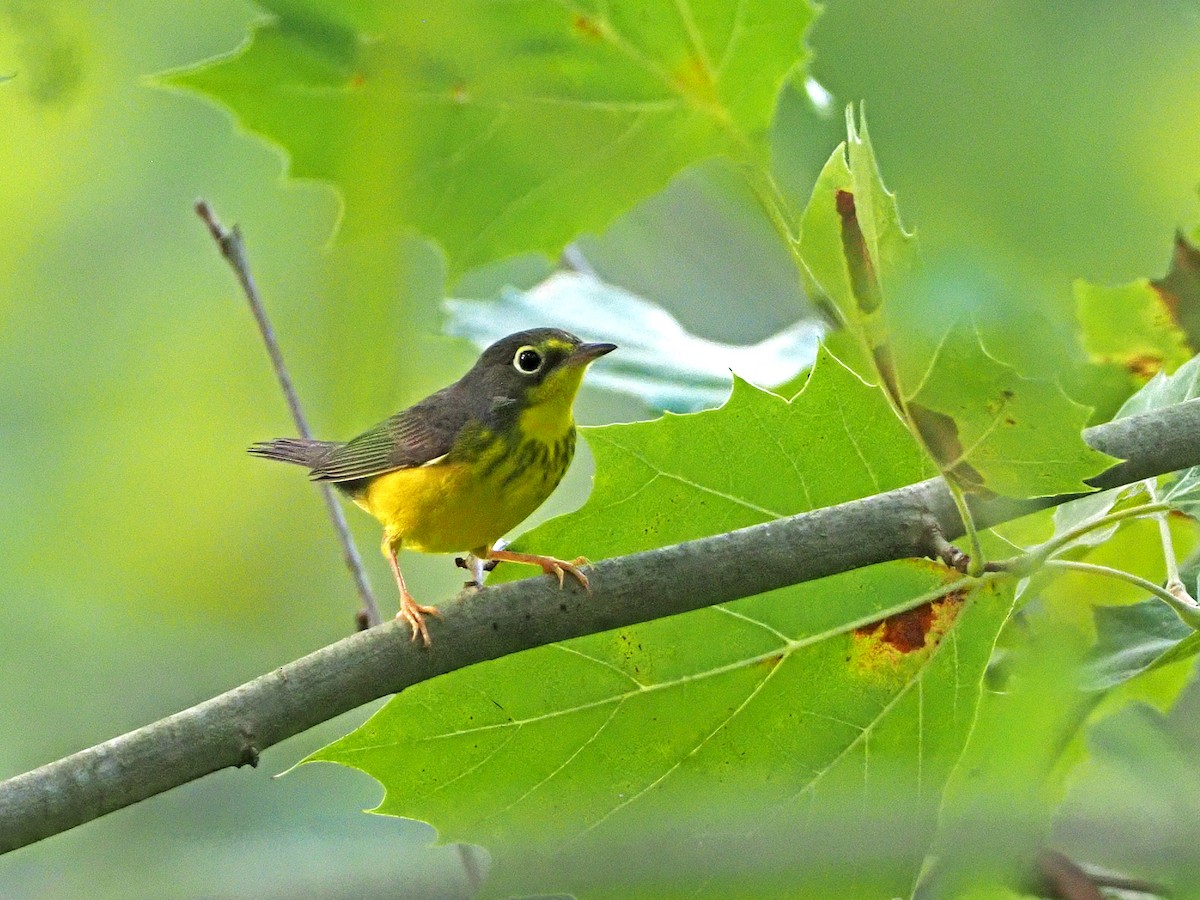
[459, 506]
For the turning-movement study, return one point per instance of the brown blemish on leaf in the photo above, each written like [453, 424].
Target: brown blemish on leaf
[882, 356]
[863, 282]
[1144, 367]
[459, 94]
[587, 27]
[884, 644]
[772, 661]
[997, 405]
[940, 434]
[1180, 289]
[904, 631]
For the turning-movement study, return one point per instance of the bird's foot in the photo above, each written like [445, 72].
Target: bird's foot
[550, 565]
[414, 614]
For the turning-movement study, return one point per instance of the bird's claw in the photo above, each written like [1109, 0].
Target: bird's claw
[413, 613]
[560, 569]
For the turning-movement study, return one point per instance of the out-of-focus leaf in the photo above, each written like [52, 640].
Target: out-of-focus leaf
[1134, 639]
[1180, 289]
[1092, 508]
[999, 801]
[1165, 390]
[988, 428]
[498, 128]
[1130, 326]
[784, 710]
[659, 362]
[1135, 800]
[703, 245]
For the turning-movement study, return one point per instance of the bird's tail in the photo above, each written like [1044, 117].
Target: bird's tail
[301, 451]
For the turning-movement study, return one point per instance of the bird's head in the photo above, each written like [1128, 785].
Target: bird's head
[536, 373]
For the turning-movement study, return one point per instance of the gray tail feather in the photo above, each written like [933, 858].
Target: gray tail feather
[301, 451]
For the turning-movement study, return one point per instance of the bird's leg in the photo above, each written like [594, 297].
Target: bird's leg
[548, 564]
[411, 611]
[478, 565]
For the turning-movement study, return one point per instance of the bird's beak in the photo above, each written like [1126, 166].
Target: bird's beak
[586, 353]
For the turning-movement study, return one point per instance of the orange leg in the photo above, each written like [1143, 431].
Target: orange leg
[548, 564]
[411, 611]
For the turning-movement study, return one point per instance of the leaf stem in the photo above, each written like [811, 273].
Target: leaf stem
[1175, 585]
[1053, 545]
[233, 249]
[977, 564]
[1188, 612]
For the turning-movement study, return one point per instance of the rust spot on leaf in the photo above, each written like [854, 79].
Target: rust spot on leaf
[883, 644]
[863, 282]
[587, 27]
[904, 631]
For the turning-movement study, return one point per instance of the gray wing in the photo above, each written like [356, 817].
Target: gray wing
[414, 437]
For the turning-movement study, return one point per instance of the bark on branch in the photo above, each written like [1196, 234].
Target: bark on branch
[234, 728]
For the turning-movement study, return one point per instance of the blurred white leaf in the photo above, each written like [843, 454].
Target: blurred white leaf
[658, 361]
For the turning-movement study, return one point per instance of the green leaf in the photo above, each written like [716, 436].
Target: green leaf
[659, 363]
[988, 427]
[723, 732]
[498, 128]
[1000, 799]
[1130, 326]
[1134, 803]
[1136, 639]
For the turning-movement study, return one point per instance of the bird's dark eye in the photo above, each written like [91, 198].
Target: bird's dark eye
[527, 361]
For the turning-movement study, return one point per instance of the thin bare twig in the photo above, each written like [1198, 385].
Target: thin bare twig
[233, 248]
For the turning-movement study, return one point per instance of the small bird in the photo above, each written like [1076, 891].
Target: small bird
[462, 467]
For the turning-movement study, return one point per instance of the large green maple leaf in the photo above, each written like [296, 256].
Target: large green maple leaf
[753, 746]
[497, 127]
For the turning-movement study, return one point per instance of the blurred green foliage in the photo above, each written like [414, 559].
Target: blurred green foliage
[147, 563]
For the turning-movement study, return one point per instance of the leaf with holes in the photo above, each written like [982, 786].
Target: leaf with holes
[498, 128]
[790, 729]
[989, 428]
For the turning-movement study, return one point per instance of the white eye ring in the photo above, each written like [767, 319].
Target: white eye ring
[528, 360]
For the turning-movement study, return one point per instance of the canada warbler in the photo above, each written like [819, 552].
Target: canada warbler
[467, 464]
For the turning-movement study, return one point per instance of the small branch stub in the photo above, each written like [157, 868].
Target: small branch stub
[937, 547]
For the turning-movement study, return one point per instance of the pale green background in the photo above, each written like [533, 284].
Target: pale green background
[146, 563]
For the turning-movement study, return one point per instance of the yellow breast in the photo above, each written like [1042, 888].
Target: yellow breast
[455, 506]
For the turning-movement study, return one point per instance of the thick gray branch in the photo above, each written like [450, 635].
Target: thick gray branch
[233, 728]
